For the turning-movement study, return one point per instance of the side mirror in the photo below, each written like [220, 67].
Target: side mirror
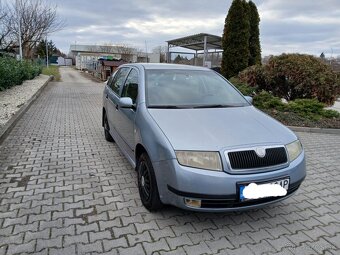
[125, 102]
[249, 99]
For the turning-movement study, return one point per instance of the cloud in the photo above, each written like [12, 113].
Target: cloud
[172, 26]
[286, 25]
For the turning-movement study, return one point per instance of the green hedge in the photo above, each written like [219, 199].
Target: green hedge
[13, 72]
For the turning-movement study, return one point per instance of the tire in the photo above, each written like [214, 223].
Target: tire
[108, 137]
[147, 185]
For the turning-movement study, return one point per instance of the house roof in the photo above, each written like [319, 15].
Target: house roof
[96, 48]
[114, 63]
[196, 42]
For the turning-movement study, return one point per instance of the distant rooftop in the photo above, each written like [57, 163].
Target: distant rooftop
[196, 42]
[96, 48]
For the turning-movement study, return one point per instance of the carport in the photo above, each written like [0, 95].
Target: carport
[200, 43]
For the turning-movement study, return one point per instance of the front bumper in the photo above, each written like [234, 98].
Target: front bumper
[218, 191]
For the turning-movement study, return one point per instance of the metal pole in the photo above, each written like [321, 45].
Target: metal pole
[195, 58]
[205, 50]
[19, 25]
[46, 52]
[168, 60]
[146, 52]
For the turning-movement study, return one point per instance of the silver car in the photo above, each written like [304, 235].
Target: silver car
[196, 142]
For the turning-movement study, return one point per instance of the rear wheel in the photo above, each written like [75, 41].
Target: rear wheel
[108, 137]
[147, 185]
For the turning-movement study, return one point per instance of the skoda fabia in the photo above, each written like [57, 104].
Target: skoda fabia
[196, 142]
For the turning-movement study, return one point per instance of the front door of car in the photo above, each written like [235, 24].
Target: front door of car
[126, 116]
[115, 87]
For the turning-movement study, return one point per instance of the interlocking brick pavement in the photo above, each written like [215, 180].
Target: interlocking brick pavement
[65, 190]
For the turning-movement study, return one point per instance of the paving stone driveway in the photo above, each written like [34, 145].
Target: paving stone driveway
[65, 190]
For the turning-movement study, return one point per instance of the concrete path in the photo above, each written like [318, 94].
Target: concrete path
[65, 190]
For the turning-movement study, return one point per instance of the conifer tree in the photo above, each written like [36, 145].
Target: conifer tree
[254, 35]
[235, 40]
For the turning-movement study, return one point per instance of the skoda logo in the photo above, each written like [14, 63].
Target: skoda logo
[261, 152]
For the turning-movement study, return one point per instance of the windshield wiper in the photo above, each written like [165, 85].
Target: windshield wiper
[165, 107]
[192, 106]
[215, 106]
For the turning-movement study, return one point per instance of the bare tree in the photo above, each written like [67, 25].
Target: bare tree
[4, 28]
[107, 48]
[126, 51]
[37, 18]
[92, 48]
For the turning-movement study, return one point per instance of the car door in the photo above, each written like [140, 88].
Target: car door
[115, 86]
[126, 116]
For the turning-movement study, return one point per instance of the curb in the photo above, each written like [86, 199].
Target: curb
[6, 129]
[331, 131]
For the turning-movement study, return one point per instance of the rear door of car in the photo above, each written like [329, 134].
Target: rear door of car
[115, 86]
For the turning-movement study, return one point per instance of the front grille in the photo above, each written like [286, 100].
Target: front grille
[248, 159]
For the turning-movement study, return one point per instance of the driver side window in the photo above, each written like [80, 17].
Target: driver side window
[118, 80]
[130, 88]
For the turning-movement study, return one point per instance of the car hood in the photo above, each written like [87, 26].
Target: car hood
[214, 129]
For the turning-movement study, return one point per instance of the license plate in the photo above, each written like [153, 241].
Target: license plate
[284, 183]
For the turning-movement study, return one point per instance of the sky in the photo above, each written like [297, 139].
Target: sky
[303, 26]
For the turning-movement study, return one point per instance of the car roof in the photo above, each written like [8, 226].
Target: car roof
[168, 66]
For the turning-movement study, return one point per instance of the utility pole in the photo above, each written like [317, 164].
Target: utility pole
[19, 25]
[46, 52]
[146, 51]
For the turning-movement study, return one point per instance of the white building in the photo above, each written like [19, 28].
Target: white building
[84, 54]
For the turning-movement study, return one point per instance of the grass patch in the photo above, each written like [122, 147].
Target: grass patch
[52, 70]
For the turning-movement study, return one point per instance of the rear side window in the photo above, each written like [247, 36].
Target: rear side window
[118, 80]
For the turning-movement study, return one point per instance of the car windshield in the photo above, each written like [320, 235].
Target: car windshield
[190, 89]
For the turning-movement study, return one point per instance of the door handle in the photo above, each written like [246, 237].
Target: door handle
[107, 96]
[117, 107]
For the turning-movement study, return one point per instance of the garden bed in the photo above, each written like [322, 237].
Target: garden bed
[300, 113]
[11, 100]
[293, 119]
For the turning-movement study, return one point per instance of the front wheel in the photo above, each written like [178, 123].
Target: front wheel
[147, 185]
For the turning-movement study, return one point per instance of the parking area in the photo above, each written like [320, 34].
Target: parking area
[65, 190]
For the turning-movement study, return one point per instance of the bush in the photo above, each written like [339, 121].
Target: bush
[311, 109]
[243, 87]
[308, 108]
[254, 76]
[295, 76]
[266, 101]
[13, 72]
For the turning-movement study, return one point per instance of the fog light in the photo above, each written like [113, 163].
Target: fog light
[192, 202]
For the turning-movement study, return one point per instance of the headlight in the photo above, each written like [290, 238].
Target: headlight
[294, 150]
[200, 159]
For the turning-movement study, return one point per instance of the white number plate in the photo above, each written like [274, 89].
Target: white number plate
[284, 183]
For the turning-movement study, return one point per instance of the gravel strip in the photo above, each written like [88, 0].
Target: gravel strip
[12, 99]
